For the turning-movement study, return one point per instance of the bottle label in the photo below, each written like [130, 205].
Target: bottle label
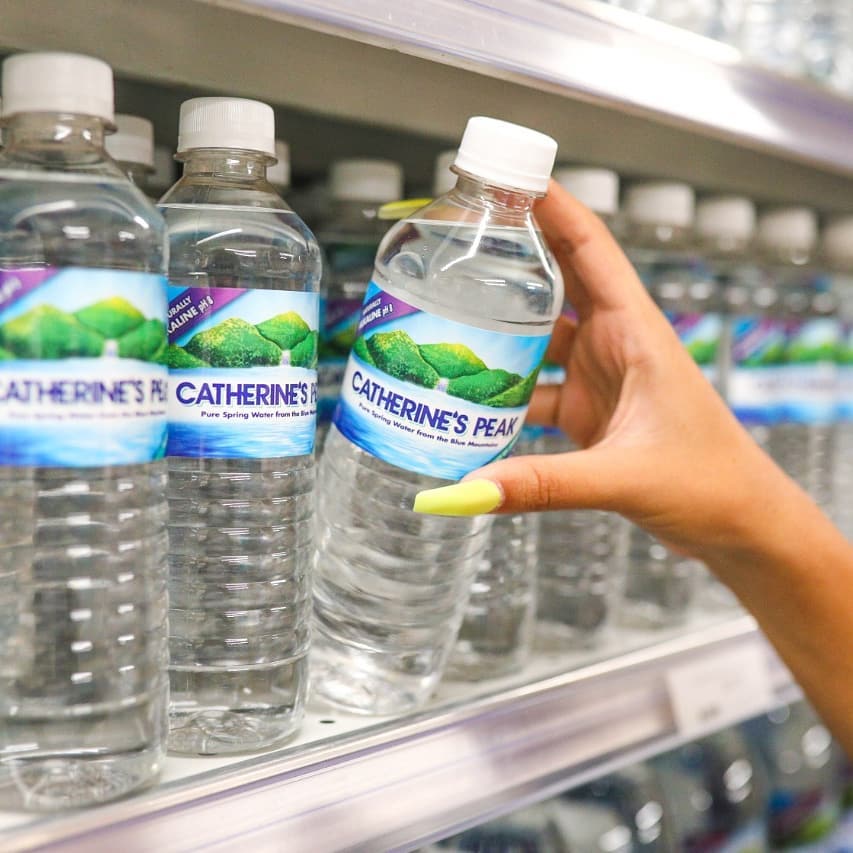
[700, 334]
[809, 374]
[751, 838]
[432, 395]
[83, 378]
[803, 820]
[845, 374]
[339, 328]
[757, 352]
[242, 372]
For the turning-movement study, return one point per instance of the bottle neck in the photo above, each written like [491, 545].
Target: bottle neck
[501, 199]
[226, 164]
[46, 136]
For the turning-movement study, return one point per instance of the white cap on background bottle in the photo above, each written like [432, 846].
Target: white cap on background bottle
[669, 203]
[837, 240]
[57, 83]
[444, 180]
[729, 217]
[789, 229]
[377, 181]
[133, 141]
[506, 154]
[279, 173]
[237, 123]
[597, 188]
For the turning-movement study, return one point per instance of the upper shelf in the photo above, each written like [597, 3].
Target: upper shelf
[612, 87]
[358, 783]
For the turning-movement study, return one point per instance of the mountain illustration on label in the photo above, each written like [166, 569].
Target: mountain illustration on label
[285, 339]
[112, 327]
[451, 367]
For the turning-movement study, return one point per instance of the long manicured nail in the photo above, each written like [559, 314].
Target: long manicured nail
[473, 497]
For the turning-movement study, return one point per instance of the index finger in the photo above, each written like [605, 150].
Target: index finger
[596, 272]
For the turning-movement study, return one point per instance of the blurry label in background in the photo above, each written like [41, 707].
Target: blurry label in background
[701, 335]
[83, 380]
[338, 331]
[243, 377]
[431, 395]
[803, 821]
[845, 374]
[809, 373]
[758, 350]
[749, 839]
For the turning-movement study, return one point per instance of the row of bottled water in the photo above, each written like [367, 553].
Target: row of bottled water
[805, 38]
[164, 536]
[777, 782]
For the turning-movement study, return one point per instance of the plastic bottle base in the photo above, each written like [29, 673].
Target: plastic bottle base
[223, 731]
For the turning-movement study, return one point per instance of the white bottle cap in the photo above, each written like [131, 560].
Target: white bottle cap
[837, 242]
[226, 123]
[443, 180]
[133, 141]
[377, 181]
[506, 154]
[792, 229]
[726, 216]
[279, 173]
[57, 83]
[660, 203]
[598, 189]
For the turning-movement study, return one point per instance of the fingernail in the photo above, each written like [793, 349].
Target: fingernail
[473, 497]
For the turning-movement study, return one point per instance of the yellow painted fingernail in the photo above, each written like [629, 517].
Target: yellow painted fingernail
[473, 497]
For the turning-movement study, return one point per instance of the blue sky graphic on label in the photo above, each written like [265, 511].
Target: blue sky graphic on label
[83, 380]
[243, 372]
[431, 395]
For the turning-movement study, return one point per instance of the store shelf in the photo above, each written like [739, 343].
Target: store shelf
[610, 86]
[383, 785]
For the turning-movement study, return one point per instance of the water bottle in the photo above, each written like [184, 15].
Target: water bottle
[453, 329]
[581, 553]
[635, 793]
[803, 765]
[132, 147]
[801, 441]
[530, 830]
[83, 687]
[163, 176]
[838, 253]
[772, 34]
[244, 277]
[350, 238]
[827, 46]
[725, 229]
[278, 175]
[661, 586]
[716, 791]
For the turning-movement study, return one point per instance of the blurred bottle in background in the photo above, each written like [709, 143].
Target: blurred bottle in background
[279, 173]
[132, 147]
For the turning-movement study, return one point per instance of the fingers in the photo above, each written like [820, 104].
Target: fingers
[596, 273]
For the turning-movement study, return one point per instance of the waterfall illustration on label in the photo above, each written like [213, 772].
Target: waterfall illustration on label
[243, 372]
[757, 354]
[810, 370]
[432, 395]
[83, 378]
[701, 335]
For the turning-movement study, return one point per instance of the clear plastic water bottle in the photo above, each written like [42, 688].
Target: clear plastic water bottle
[661, 586]
[725, 230]
[132, 147]
[828, 43]
[350, 238]
[803, 765]
[279, 173]
[244, 278]
[163, 176]
[716, 790]
[837, 252]
[581, 553]
[801, 440]
[83, 687]
[453, 329]
[635, 793]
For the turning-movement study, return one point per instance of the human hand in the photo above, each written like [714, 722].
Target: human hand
[659, 445]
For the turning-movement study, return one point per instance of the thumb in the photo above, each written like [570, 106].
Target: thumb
[580, 479]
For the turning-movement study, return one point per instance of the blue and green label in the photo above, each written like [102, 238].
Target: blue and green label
[809, 372]
[432, 395]
[83, 378]
[845, 374]
[243, 372]
[757, 356]
[701, 335]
